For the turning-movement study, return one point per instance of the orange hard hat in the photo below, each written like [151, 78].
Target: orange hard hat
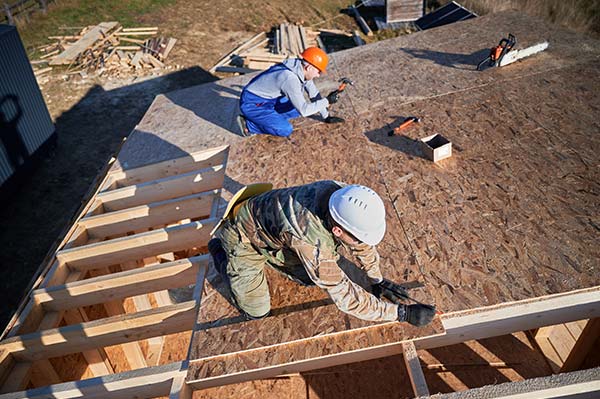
[316, 57]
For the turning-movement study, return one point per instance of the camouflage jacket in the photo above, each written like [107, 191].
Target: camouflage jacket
[296, 218]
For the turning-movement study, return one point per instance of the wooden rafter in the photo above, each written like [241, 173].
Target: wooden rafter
[120, 285]
[103, 332]
[137, 246]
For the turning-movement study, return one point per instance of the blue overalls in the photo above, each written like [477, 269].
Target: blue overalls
[268, 116]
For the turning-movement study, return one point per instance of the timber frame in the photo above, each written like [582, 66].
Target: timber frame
[144, 232]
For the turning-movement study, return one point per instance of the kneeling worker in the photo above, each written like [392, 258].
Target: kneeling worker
[297, 231]
[277, 94]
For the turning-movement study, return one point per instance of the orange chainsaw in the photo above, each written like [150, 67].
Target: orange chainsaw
[498, 52]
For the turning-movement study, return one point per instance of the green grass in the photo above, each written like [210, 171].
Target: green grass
[80, 13]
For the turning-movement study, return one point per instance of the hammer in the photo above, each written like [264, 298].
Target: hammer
[343, 84]
[406, 123]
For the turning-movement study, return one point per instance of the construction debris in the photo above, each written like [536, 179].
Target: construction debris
[107, 49]
[264, 50]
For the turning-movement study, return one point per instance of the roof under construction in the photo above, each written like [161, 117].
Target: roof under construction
[503, 235]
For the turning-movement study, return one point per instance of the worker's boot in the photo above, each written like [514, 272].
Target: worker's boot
[241, 121]
[219, 256]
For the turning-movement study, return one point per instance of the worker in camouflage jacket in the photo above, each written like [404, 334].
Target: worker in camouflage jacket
[297, 231]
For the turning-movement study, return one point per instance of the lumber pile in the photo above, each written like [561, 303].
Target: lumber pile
[107, 48]
[264, 50]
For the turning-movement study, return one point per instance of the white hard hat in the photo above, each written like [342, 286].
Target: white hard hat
[360, 211]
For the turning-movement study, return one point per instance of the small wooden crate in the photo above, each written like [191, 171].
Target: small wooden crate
[436, 147]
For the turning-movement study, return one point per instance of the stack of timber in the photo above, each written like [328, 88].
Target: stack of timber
[262, 51]
[120, 293]
[108, 49]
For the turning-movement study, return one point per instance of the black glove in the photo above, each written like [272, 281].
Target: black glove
[418, 315]
[393, 292]
[333, 97]
[333, 119]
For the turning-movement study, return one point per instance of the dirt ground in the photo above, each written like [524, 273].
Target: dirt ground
[92, 116]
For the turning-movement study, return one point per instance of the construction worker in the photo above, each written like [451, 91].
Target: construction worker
[297, 231]
[277, 95]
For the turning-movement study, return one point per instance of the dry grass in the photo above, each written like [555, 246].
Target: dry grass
[579, 15]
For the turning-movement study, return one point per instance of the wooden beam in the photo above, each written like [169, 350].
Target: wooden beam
[522, 315]
[43, 373]
[144, 217]
[163, 189]
[103, 332]
[179, 389]
[97, 359]
[120, 285]
[150, 382]
[194, 161]
[460, 327]
[19, 378]
[132, 350]
[583, 346]
[138, 246]
[7, 362]
[415, 372]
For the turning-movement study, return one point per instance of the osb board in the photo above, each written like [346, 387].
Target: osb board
[513, 214]
[294, 351]
[298, 312]
[467, 366]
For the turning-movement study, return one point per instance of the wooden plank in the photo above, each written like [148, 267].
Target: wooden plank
[194, 161]
[71, 53]
[145, 383]
[415, 372]
[96, 358]
[19, 378]
[224, 60]
[138, 246]
[135, 61]
[168, 49]
[152, 60]
[104, 332]
[510, 317]
[141, 28]
[583, 346]
[164, 189]
[43, 374]
[7, 362]
[460, 327]
[141, 33]
[144, 217]
[232, 69]
[179, 389]
[132, 350]
[265, 58]
[121, 285]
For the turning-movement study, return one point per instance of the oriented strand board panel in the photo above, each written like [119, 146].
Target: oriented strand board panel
[511, 215]
[403, 10]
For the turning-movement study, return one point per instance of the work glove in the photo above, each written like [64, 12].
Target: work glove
[393, 292]
[333, 119]
[418, 314]
[333, 97]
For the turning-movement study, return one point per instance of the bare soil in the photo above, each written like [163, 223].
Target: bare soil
[92, 115]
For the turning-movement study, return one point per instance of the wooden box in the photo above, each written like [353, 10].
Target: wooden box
[436, 147]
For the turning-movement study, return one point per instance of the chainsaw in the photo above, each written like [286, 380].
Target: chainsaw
[498, 52]
[504, 53]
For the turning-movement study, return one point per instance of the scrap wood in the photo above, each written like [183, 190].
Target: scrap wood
[97, 33]
[42, 71]
[140, 29]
